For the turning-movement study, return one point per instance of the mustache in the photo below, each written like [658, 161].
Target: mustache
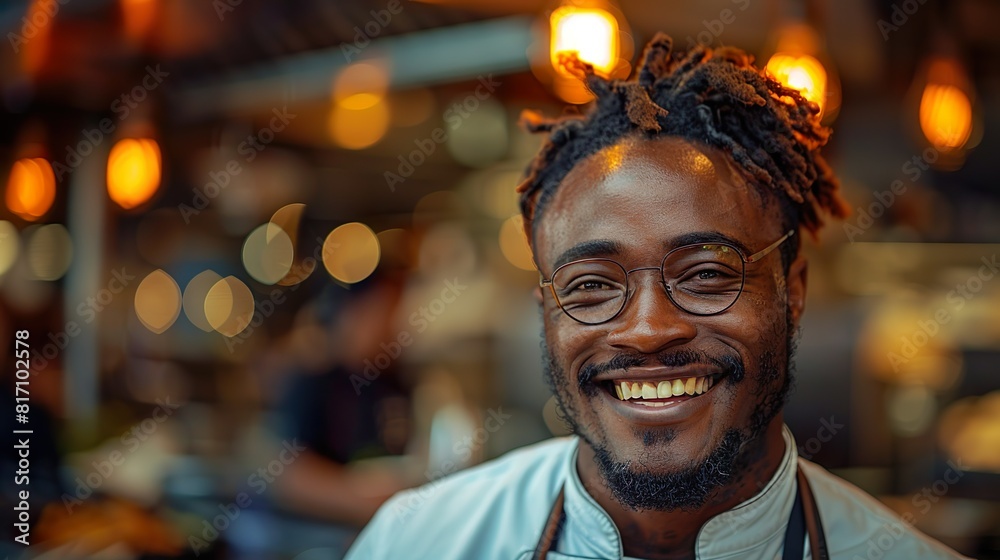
[731, 365]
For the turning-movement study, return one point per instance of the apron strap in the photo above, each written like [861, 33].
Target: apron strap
[795, 534]
[817, 537]
[551, 532]
[804, 520]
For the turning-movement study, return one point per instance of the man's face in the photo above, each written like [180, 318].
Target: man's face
[637, 199]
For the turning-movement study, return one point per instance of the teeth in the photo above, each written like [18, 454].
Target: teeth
[648, 391]
[626, 390]
[690, 384]
[678, 387]
[663, 390]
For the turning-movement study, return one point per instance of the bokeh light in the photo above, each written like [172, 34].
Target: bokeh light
[356, 129]
[591, 33]
[158, 301]
[360, 86]
[945, 116]
[9, 246]
[801, 72]
[31, 188]
[514, 243]
[229, 306]
[195, 294]
[268, 253]
[351, 252]
[133, 171]
[481, 138]
[49, 251]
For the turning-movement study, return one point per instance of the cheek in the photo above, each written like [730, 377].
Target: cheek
[569, 342]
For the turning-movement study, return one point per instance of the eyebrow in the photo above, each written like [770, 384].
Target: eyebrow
[590, 249]
[607, 248]
[699, 237]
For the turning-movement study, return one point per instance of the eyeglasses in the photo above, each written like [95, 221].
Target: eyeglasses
[702, 279]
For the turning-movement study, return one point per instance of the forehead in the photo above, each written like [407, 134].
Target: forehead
[641, 193]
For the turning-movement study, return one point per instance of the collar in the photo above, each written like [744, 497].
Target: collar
[757, 524]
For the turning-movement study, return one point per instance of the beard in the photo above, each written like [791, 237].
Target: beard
[632, 482]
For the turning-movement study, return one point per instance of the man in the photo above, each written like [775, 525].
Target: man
[665, 224]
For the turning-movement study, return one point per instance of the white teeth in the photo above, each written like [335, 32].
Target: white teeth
[663, 390]
[648, 390]
[626, 390]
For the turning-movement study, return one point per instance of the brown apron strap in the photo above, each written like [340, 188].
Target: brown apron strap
[551, 529]
[814, 525]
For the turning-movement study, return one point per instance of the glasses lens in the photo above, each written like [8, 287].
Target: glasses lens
[590, 291]
[704, 279]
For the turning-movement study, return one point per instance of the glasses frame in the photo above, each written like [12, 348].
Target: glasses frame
[756, 257]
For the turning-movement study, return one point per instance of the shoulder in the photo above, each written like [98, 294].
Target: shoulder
[501, 502]
[858, 524]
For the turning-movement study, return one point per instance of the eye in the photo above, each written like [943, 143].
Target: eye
[708, 275]
[590, 285]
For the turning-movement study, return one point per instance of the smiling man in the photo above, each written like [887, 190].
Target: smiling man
[666, 224]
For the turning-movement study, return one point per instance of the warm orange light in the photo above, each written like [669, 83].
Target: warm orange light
[138, 16]
[801, 72]
[31, 188]
[591, 33]
[945, 116]
[356, 129]
[133, 171]
[32, 39]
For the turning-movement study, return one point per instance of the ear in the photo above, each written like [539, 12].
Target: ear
[538, 295]
[797, 276]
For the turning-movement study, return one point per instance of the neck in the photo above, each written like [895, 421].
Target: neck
[672, 535]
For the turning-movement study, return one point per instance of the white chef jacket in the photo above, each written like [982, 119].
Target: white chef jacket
[497, 510]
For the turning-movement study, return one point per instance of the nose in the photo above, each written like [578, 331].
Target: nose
[650, 322]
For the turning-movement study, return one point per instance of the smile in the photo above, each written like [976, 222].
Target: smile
[655, 393]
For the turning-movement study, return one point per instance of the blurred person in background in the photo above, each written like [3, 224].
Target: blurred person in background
[344, 408]
[665, 224]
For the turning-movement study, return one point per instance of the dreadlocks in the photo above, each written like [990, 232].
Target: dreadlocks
[715, 97]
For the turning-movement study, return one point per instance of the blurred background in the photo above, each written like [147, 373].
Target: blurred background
[267, 260]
